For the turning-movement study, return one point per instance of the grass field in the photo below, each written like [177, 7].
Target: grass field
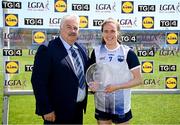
[147, 109]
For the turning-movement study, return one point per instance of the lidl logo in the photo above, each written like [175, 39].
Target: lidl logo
[148, 22]
[60, 6]
[11, 20]
[12, 67]
[127, 7]
[172, 38]
[171, 82]
[147, 66]
[83, 21]
[39, 37]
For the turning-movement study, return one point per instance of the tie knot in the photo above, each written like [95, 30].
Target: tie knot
[71, 48]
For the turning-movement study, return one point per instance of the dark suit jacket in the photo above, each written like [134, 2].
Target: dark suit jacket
[54, 82]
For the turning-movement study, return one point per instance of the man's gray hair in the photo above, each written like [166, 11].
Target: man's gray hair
[67, 17]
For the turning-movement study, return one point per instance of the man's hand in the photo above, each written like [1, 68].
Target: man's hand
[50, 117]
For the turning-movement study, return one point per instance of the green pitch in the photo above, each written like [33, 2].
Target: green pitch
[147, 110]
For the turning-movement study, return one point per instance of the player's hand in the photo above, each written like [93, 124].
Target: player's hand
[93, 86]
[50, 117]
[110, 88]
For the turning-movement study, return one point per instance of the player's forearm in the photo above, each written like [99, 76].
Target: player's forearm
[130, 84]
[114, 87]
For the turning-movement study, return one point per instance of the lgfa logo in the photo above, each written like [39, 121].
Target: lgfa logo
[171, 82]
[60, 6]
[127, 7]
[12, 67]
[11, 20]
[148, 22]
[172, 38]
[147, 66]
[39, 37]
[83, 21]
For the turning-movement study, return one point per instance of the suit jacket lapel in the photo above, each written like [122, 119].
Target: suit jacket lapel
[70, 63]
[63, 51]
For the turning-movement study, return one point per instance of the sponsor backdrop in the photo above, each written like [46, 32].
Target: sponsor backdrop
[150, 28]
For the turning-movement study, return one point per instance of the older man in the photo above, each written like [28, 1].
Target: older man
[58, 76]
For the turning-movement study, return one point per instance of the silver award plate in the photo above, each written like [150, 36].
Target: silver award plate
[99, 73]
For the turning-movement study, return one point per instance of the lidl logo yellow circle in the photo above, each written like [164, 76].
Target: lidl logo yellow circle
[39, 37]
[171, 82]
[147, 67]
[11, 20]
[127, 7]
[83, 22]
[12, 67]
[148, 22]
[172, 38]
[60, 6]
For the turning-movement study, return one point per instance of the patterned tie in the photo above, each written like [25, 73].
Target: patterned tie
[78, 68]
